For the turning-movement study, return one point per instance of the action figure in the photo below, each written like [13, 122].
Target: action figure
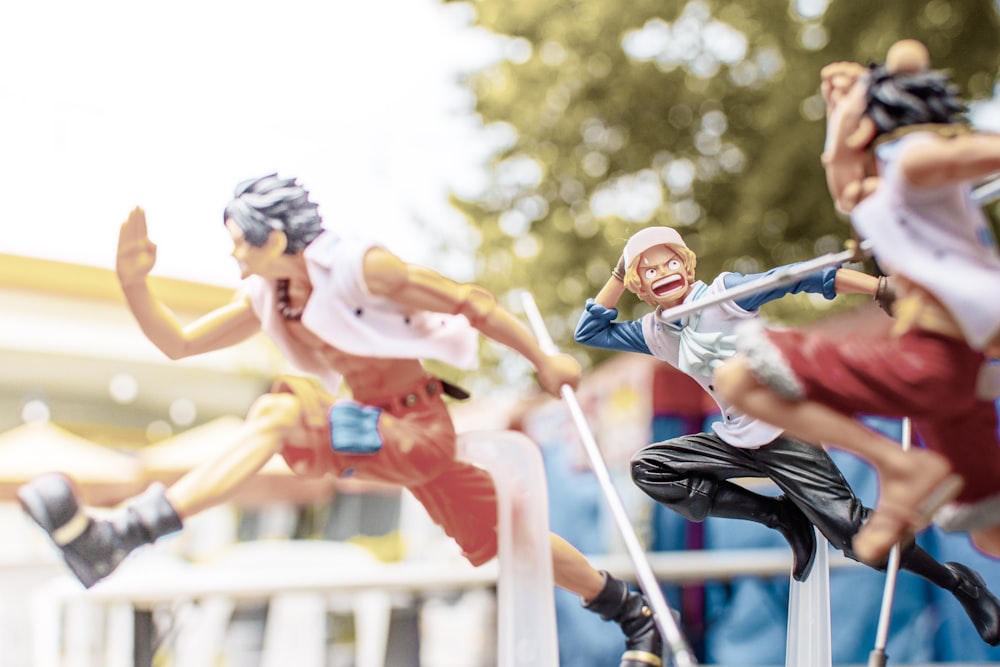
[901, 163]
[691, 474]
[339, 310]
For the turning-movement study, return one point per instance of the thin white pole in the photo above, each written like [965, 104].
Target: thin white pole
[986, 192]
[877, 657]
[662, 615]
[783, 276]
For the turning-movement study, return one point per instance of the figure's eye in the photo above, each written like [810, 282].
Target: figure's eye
[650, 274]
[674, 265]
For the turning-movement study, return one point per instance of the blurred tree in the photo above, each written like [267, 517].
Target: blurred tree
[703, 115]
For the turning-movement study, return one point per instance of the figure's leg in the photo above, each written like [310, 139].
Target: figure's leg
[613, 600]
[809, 421]
[462, 500]
[970, 440]
[964, 583]
[273, 420]
[810, 479]
[94, 546]
[688, 474]
[913, 484]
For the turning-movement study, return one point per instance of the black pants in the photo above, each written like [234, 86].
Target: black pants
[691, 474]
[688, 473]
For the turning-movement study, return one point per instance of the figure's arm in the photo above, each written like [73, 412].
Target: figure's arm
[881, 288]
[849, 281]
[421, 288]
[943, 160]
[597, 326]
[846, 162]
[821, 282]
[829, 282]
[611, 293]
[220, 328]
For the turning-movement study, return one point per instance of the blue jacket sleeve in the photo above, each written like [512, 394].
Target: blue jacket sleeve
[597, 328]
[821, 282]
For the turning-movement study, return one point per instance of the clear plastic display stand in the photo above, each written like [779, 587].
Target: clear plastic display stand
[808, 643]
[526, 617]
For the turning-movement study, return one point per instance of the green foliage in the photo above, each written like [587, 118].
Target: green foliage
[730, 97]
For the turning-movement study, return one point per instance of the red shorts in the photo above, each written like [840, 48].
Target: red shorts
[928, 377]
[418, 453]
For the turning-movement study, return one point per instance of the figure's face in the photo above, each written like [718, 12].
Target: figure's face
[252, 260]
[664, 278]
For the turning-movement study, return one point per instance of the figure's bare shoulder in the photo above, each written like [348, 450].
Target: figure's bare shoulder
[385, 273]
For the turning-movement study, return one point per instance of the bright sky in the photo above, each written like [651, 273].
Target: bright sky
[111, 104]
[116, 103]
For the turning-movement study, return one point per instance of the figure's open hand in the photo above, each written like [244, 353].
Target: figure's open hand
[558, 370]
[849, 131]
[837, 79]
[136, 253]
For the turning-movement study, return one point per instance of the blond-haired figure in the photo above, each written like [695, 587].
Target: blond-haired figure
[691, 474]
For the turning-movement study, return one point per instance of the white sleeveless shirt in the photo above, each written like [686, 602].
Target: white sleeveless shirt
[938, 238]
[343, 313]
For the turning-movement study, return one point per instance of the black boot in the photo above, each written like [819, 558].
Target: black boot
[963, 582]
[979, 603]
[93, 548]
[615, 602]
[798, 531]
[735, 502]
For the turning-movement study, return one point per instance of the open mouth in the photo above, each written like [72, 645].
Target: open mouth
[668, 285]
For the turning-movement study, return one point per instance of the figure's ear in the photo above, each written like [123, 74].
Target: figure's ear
[276, 242]
[863, 135]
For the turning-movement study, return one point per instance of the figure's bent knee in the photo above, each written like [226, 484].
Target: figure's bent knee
[691, 498]
[637, 470]
[275, 412]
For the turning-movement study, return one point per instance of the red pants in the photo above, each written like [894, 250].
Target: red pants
[928, 377]
[418, 453]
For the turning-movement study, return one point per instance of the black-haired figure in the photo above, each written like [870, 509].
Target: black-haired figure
[342, 311]
[900, 161]
[693, 474]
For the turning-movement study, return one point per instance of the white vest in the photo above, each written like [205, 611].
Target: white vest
[938, 238]
[344, 314]
[703, 341]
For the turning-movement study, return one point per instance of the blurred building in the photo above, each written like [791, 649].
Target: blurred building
[70, 349]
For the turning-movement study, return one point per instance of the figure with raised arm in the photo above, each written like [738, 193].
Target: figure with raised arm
[692, 474]
[342, 311]
[901, 162]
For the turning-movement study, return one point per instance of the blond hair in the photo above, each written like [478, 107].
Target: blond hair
[633, 283]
